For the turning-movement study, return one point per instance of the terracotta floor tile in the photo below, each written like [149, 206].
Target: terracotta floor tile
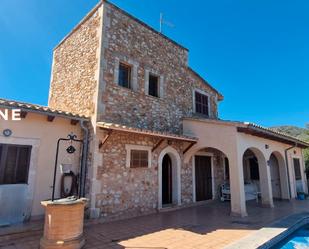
[207, 226]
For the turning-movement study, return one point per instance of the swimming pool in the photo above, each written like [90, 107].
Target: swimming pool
[297, 240]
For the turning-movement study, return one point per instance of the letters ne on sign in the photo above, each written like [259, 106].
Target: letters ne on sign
[13, 114]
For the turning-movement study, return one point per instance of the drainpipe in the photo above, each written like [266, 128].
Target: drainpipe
[84, 159]
[287, 166]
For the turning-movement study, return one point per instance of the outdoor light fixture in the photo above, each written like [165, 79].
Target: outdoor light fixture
[7, 132]
[70, 150]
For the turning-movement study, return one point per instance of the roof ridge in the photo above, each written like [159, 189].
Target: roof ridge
[145, 25]
[93, 10]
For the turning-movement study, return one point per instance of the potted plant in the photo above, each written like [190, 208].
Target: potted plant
[301, 195]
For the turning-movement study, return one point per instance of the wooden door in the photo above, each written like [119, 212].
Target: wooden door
[203, 178]
[167, 180]
[275, 177]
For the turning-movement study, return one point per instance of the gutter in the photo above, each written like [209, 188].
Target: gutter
[278, 135]
[83, 171]
[287, 166]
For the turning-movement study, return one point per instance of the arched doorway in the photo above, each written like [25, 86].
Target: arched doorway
[167, 180]
[279, 178]
[257, 182]
[275, 176]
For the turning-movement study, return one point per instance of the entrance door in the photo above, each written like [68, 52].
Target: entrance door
[275, 177]
[167, 176]
[203, 179]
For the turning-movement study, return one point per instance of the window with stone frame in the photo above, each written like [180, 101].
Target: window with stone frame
[14, 163]
[139, 159]
[201, 103]
[297, 170]
[124, 77]
[153, 85]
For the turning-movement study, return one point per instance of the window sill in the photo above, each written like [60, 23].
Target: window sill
[141, 94]
[199, 115]
[144, 168]
[154, 98]
[125, 89]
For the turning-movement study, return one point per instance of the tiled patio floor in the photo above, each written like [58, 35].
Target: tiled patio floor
[205, 226]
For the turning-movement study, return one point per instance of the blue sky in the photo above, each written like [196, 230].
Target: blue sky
[254, 52]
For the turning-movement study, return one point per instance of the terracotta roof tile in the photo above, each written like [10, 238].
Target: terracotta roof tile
[125, 128]
[5, 103]
[259, 128]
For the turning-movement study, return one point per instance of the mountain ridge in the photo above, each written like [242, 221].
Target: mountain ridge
[294, 131]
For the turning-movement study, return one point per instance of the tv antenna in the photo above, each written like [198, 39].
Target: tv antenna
[163, 22]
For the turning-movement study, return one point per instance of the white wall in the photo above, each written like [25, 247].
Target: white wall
[35, 130]
[225, 137]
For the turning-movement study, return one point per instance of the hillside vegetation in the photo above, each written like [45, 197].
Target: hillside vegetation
[294, 131]
[299, 133]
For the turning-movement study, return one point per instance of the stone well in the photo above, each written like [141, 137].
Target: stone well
[64, 221]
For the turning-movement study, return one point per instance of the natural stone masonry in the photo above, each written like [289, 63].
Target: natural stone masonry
[131, 191]
[75, 61]
[128, 41]
[84, 80]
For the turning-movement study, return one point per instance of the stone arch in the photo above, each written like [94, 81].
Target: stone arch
[264, 183]
[176, 168]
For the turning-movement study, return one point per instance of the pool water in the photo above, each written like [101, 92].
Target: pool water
[298, 240]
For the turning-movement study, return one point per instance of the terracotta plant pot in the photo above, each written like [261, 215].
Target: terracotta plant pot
[64, 222]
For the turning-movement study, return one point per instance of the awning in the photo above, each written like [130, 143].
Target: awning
[119, 127]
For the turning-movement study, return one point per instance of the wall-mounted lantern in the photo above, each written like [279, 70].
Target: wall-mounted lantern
[7, 132]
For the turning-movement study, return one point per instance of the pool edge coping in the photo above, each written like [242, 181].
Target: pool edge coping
[271, 234]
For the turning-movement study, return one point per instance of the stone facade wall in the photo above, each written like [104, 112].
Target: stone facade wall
[218, 173]
[127, 40]
[75, 61]
[83, 81]
[128, 192]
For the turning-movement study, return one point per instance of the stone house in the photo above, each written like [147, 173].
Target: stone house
[156, 139]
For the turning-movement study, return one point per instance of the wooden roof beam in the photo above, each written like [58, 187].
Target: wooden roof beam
[50, 118]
